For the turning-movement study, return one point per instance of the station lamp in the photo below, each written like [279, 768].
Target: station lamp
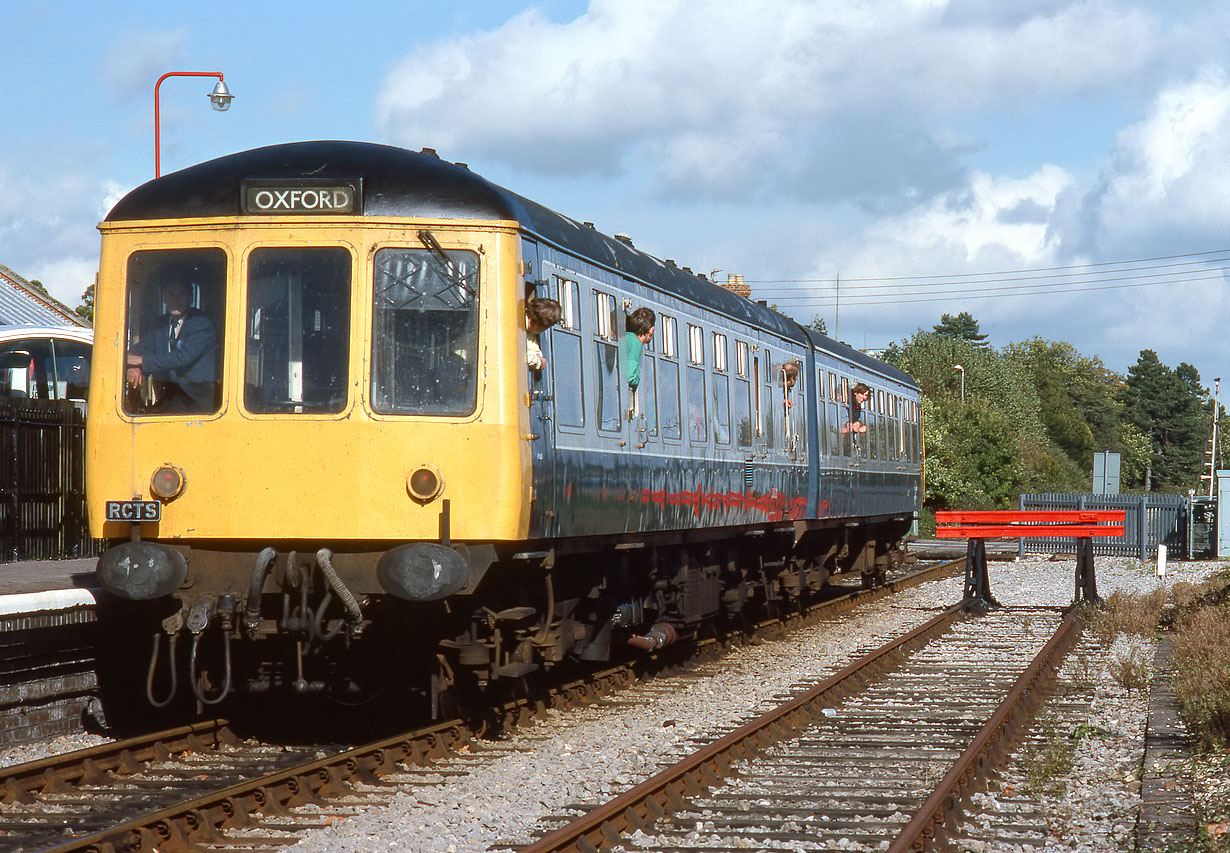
[220, 99]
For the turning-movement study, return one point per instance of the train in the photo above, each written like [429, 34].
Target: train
[325, 468]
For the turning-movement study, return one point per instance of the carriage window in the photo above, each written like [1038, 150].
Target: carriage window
[744, 430]
[772, 417]
[569, 380]
[606, 363]
[721, 408]
[298, 330]
[425, 332]
[667, 333]
[646, 395]
[741, 358]
[696, 344]
[175, 302]
[698, 426]
[668, 399]
[606, 325]
[719, 352]
[569, 318]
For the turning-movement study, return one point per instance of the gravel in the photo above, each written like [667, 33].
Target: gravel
[590, 754]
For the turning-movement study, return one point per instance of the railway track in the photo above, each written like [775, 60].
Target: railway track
[201, 783]
[888, 751]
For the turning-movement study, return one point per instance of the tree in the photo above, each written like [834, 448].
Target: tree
[1079, 402]
[1170, 410]
[86, 308]
[982, 452]
[39, 286]
[963, 327]
[817, 323]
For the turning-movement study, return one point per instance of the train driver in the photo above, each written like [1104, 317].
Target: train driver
[179, 352]
[859, 395]
[540, 315]
[640, 328]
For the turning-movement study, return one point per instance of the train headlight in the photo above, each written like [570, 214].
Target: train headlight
[167, 483]
[425, 483]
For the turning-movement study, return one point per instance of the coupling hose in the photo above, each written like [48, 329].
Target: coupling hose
[252, 607]
[354, 616]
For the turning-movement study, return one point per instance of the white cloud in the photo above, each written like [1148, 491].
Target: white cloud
[1166, 187]
[994, 222]
[732, 99]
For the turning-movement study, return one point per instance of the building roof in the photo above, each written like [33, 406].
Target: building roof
[21, 303]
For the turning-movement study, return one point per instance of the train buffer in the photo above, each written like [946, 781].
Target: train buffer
[979, 525]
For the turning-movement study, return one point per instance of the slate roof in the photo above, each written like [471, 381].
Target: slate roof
[21, 303]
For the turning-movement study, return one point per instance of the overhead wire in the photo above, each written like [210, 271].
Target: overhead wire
[1107, 275]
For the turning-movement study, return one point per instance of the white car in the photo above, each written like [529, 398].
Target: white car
[45, 362]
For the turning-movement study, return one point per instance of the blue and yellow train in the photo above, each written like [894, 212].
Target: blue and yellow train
[325, 467]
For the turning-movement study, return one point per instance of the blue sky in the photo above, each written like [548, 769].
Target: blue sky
[875, 141]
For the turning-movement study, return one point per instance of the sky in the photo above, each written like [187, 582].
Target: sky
[1057, 169]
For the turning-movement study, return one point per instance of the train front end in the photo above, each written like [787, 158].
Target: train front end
[307, 408]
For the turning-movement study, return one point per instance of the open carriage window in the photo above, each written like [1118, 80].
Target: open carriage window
[425, 335]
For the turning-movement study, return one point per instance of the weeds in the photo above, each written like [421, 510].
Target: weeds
[1130, 663]
[1049, 760]
[1082, 671]
[1126, 613]
[1201, 679]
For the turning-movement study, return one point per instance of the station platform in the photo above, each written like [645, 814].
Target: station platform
[31, 586]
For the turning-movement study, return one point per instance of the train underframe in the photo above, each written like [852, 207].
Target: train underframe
[563, 608]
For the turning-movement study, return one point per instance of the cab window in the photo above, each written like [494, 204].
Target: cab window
[173, 346]
[425, 332]
[298, 330]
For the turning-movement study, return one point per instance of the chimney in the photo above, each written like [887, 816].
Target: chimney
[734, 283]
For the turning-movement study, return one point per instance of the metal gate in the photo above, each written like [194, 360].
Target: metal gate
[42, 481]
[1150, 520]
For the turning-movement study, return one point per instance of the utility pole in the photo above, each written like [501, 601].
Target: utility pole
[1212, 464]
[837, 308]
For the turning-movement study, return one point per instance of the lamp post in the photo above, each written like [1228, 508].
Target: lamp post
[961, 370]
[219, 98]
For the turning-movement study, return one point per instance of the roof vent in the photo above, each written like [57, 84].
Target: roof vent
[670, 262]
[688, 270]
[430, 152]
[624, 238]
[465, 166]
[588, 225]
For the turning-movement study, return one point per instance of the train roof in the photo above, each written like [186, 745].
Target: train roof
[397, 182]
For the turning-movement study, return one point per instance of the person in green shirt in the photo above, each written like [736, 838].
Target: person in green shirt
[640, 329]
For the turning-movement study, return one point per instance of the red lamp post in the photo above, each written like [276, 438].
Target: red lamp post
[220, 98]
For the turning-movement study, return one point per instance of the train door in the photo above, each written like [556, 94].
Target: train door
[541, 398]
[615, 430]
[642, 418]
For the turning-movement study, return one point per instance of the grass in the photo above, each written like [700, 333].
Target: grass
[1049, 760]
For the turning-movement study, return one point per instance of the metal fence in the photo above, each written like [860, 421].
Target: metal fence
[1149, 520]
[42, 481]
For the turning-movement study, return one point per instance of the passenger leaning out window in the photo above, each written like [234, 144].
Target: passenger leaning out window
[540, 315]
